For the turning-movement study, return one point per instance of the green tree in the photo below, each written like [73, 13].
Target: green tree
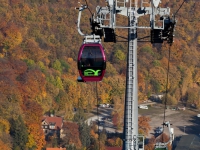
[110, 70]
[57, 65]
[54, 140]
[71, 147]
[156, 63]
[84, 130]
[170, 100]
[41, 66]
[155, 85]
[30, 63]
[103, 136]
[65, 66]
[19, 133]
[119, 55]
[79, 116]
[193, 96]
[147, 49]
[58, 83]
[55, 81]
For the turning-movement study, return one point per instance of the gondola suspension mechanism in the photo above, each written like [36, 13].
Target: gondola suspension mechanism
[166, 34]
[92, 61]
[91, 57]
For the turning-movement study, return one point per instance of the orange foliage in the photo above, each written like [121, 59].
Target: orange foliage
[18, 53]
[15, 2]
[34, 51]
[33, 84]
[4, 146]
[33, 113]
[37, 134]
[40, 31]
[10, 71]
[13, 36]
[143, 124]
[116, 141]
[71, 132]
[93, 134]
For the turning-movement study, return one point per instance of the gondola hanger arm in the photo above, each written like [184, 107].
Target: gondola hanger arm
[81, 8]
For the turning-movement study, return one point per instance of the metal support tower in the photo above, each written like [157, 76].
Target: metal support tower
[131, 139]
[131, 95]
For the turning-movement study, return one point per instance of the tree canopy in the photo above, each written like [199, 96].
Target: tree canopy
[39, 45]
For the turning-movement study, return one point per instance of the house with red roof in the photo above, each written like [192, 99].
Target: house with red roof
[52, 124]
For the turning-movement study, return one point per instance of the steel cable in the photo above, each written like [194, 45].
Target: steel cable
[98, 115]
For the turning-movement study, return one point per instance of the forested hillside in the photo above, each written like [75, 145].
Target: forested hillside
[39, 44]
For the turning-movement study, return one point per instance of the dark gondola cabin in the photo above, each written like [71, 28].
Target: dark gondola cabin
[91, 62]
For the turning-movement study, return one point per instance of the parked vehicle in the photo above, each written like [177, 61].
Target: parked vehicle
[174, 108]
[105, 105]
[143, 107]
[159, 130]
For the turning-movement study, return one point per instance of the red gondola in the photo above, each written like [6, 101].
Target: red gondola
[91, 62]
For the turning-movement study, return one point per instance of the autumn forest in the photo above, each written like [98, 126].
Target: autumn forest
[39, 44]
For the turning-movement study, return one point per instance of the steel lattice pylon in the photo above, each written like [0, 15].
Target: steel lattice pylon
[131, 94]
[131, 139]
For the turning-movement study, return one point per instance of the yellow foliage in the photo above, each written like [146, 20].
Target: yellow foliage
[118, 142]
[13, 37]
[1, 55]
[198, 39]
[4, 3]
[44, 94]
[4, 125]
[36, 136]
[104, 97]
[159, 74]
[70, 60]
[68, 113]
[31, 141]
[197, 76]
[8, 16]
[25, 10]
[104, 90]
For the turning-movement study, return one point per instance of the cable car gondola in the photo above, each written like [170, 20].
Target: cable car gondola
[91, 62]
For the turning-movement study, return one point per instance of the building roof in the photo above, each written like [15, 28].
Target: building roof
[53, 120]
[189, 142]
[113, 148]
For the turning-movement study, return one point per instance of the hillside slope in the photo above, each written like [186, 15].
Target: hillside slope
[39, 44]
